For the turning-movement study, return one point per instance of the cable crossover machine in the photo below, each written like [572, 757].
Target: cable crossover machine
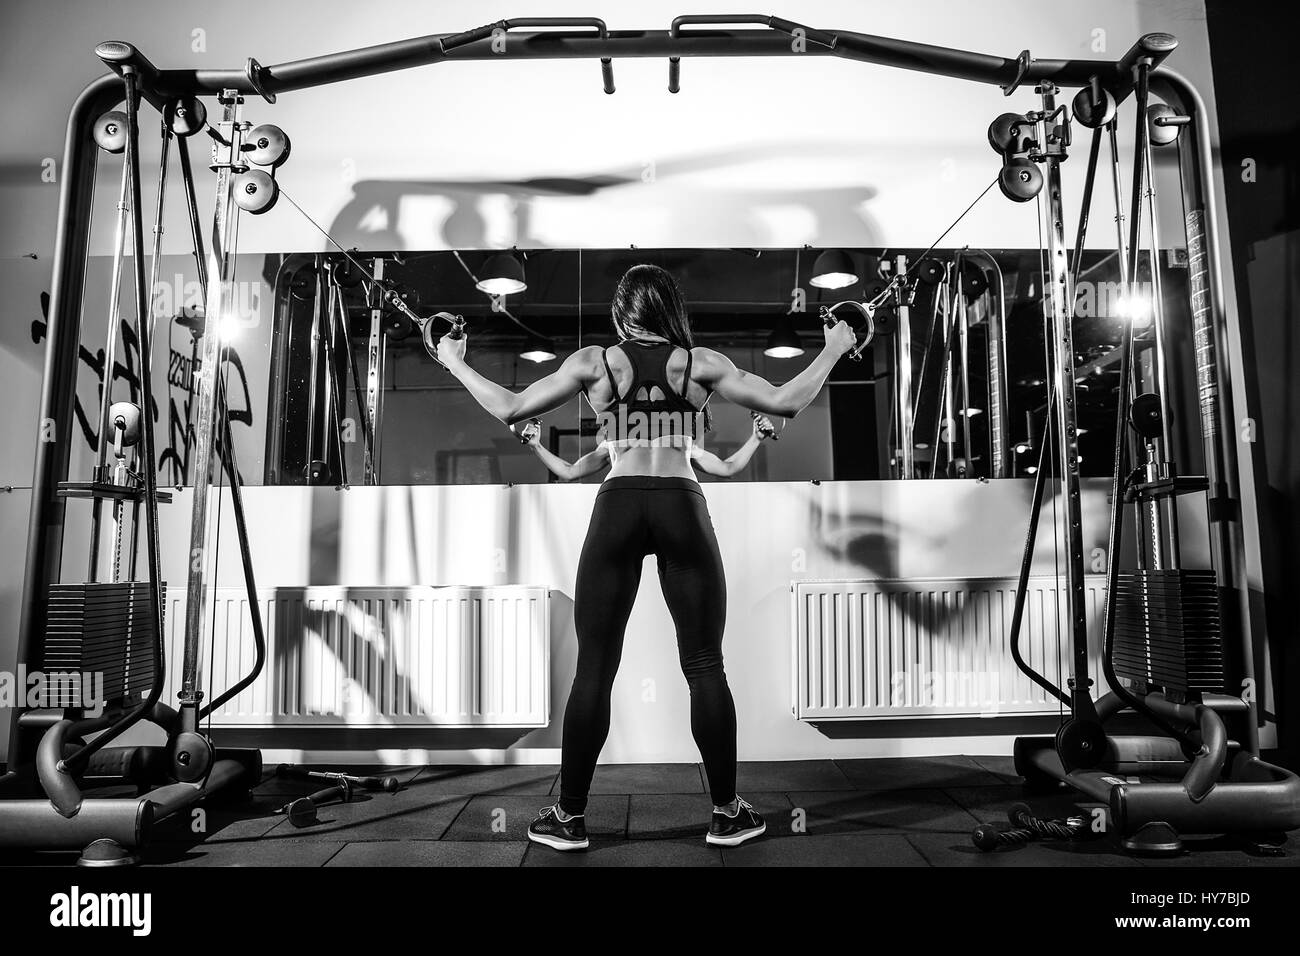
[1175, 651]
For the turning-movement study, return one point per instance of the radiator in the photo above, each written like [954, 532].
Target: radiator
[376, 657]
[930, 648]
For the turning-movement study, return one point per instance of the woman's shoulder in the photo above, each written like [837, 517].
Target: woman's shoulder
[708, 363]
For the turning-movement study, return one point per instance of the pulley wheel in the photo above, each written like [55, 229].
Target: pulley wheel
[929, 272]
[974, 281]
[125, 416]
[110, 132]
[1081, 744]
[345, 273]
[1145, 415]
[186, 116]
[191, 756]
[398, 326]
[1161, 135]
[266, 145]
[1004, 135]
[1093, 115]
[1020, 180]
[255, 191]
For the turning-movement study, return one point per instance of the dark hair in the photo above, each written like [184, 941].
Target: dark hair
[648, 301]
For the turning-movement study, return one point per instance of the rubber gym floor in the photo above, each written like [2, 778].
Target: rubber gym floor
[884, 812]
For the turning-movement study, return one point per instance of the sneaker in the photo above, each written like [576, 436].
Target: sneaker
[548, 828]
[733, 831]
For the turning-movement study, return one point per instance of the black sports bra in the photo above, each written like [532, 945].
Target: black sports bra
[650, 409]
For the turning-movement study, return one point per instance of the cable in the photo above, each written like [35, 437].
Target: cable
[895, 281]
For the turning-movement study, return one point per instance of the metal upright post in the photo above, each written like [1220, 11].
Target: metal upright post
[962, 316]
[375, 355]
[903, 370]
[146, 360]
[1169, 507]
[110, 361]
[1061, 299]
[219, 299]
[949, 425]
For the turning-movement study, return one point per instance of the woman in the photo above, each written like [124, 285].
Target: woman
[651, 392]
[594, 461]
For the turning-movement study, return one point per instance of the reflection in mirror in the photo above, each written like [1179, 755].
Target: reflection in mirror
[950, 381]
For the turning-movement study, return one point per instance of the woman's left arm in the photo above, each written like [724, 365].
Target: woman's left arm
[544, 395]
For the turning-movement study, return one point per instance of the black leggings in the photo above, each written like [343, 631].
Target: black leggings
[633, 517]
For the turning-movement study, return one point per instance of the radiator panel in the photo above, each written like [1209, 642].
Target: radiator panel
[377, 657]
[930, 648]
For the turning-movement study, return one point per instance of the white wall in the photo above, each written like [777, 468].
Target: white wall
[750, 153]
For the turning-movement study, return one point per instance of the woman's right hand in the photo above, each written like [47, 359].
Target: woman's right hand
[840, 338]
[528, 433]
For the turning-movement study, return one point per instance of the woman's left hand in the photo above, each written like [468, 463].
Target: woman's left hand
[451, 352]
[763, 427]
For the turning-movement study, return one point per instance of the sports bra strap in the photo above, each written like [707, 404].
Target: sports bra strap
[613, 386]
[686, 375]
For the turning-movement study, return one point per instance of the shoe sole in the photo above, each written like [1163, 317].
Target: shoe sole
[737, 838]
[557, 844]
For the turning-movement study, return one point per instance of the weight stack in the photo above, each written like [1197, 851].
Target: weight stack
[1167, 633]
[99, 629]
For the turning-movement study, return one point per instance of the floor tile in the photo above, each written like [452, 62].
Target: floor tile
[407, 815]
[527, 778]
[1003, 767]
[684, 816]
[882, 812]
[790, 775]
[505, 817]
[900, 773]
[644, 778]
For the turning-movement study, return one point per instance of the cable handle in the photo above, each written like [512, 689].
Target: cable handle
[867, 310]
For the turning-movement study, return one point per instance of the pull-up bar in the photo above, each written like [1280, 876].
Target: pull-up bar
[495, 41]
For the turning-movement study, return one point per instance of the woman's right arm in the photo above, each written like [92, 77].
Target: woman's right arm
[717, 372]
[588, 464]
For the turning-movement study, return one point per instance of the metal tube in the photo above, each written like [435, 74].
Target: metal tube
[231, 463]
[1168, 511]
[358, 393]
[110, 360]
[1128, 271]
[146, 361]
[313, 374]
[334, 414]
[376, 352]
[1067, 438]
[961, 315]
[903, 372]
[1003, 465]
[54, 434]
[1027, 561]
[478, 45]
[147, 453]
[219, 295]
[1206, 290]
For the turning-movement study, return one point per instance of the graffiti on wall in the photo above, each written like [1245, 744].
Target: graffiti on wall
[173, 463]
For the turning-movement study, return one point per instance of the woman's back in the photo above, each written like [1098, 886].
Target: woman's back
[649, 408]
